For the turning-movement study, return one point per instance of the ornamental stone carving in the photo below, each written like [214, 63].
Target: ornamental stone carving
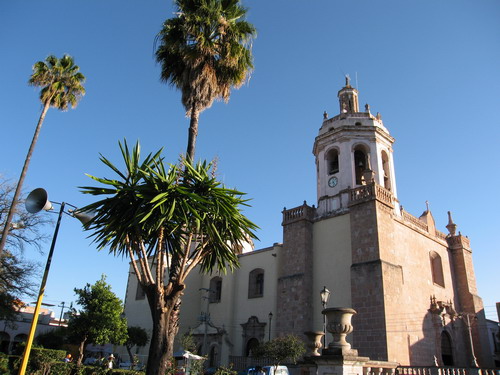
[314, 342]
[339, 325]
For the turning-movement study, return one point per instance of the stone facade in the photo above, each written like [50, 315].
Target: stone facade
[411, 285]
[296, 274]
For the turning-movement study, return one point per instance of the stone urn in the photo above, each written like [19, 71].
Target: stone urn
[314, 342]
[339, 325]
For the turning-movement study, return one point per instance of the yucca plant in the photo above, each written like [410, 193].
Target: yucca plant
[168, 220]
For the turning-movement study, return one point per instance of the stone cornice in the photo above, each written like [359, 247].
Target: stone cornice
[347, 132]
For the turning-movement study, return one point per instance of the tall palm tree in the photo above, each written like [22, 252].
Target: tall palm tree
[169, 221]
[205, 51]
[62, 87]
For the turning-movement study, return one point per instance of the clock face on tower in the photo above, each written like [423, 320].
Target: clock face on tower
[332, 182]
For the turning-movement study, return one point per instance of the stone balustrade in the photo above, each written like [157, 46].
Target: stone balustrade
[303, 212]
[377, 369]
[433, 370]
[371, 191]
[384, 195]
[414, 221]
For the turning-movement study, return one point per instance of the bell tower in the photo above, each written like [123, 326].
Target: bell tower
[352, 149]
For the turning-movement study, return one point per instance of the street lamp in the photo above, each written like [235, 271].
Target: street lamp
[325, 295]
[36, 201]
[270, 320]
[206, 319]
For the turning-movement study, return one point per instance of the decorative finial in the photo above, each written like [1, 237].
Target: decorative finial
[452, 227]
[379, 116]
[347, 80]
[325, 115]
[367, 108]
[427, 205]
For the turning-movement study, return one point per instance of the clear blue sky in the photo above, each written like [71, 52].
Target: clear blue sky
[431, 68]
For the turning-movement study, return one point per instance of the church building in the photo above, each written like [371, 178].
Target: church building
[413, 287]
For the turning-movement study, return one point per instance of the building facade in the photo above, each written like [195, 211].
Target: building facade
[15, 332]
[413, 286]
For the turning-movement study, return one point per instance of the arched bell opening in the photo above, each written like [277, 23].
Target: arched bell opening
[360, 164]
[386, 170]
[332, 161]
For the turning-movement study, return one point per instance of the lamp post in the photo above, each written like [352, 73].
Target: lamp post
[38, 200]
[206, 319]
[466, 318]
[270, 320]
[325, 295]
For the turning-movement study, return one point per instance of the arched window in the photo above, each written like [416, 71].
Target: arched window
[4, 342]
[213, 357]
[436, 269]
[139, 293]
[446, 349]
[387, 173]
[332, 161]
[256, 283]
[215, 289]
[251, 345]
[360, 164]
[17, 340]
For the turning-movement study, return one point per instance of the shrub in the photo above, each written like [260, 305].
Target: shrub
[226, 370]
[41, 360]
[4, 364]
[61, 368]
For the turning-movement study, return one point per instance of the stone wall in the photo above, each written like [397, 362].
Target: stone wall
[294, 299]
[367, 288]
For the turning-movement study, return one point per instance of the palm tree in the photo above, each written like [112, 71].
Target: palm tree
[62, 87]
[205, 51]
[168, 222]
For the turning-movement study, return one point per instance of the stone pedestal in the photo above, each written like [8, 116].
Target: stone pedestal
[338, 365]
[339, 358]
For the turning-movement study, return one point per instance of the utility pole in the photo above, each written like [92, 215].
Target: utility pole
[466, 318]
[62, 310]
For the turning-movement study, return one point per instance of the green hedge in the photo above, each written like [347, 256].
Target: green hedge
[95, 370]
[40, 361]
[50, 362]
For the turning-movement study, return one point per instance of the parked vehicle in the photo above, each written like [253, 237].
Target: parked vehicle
[266, 370]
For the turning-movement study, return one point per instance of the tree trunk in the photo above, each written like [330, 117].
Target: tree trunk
[163, 313]
[81, 349]
[12, 209]
[129, 350]
[192, 133]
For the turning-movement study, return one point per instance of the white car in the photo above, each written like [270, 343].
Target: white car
[267, 370]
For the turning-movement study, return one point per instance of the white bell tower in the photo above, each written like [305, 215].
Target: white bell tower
[352, 149]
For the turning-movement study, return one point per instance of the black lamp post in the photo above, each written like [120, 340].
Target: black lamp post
[325, 295]
[270, 320]
[36, 201]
